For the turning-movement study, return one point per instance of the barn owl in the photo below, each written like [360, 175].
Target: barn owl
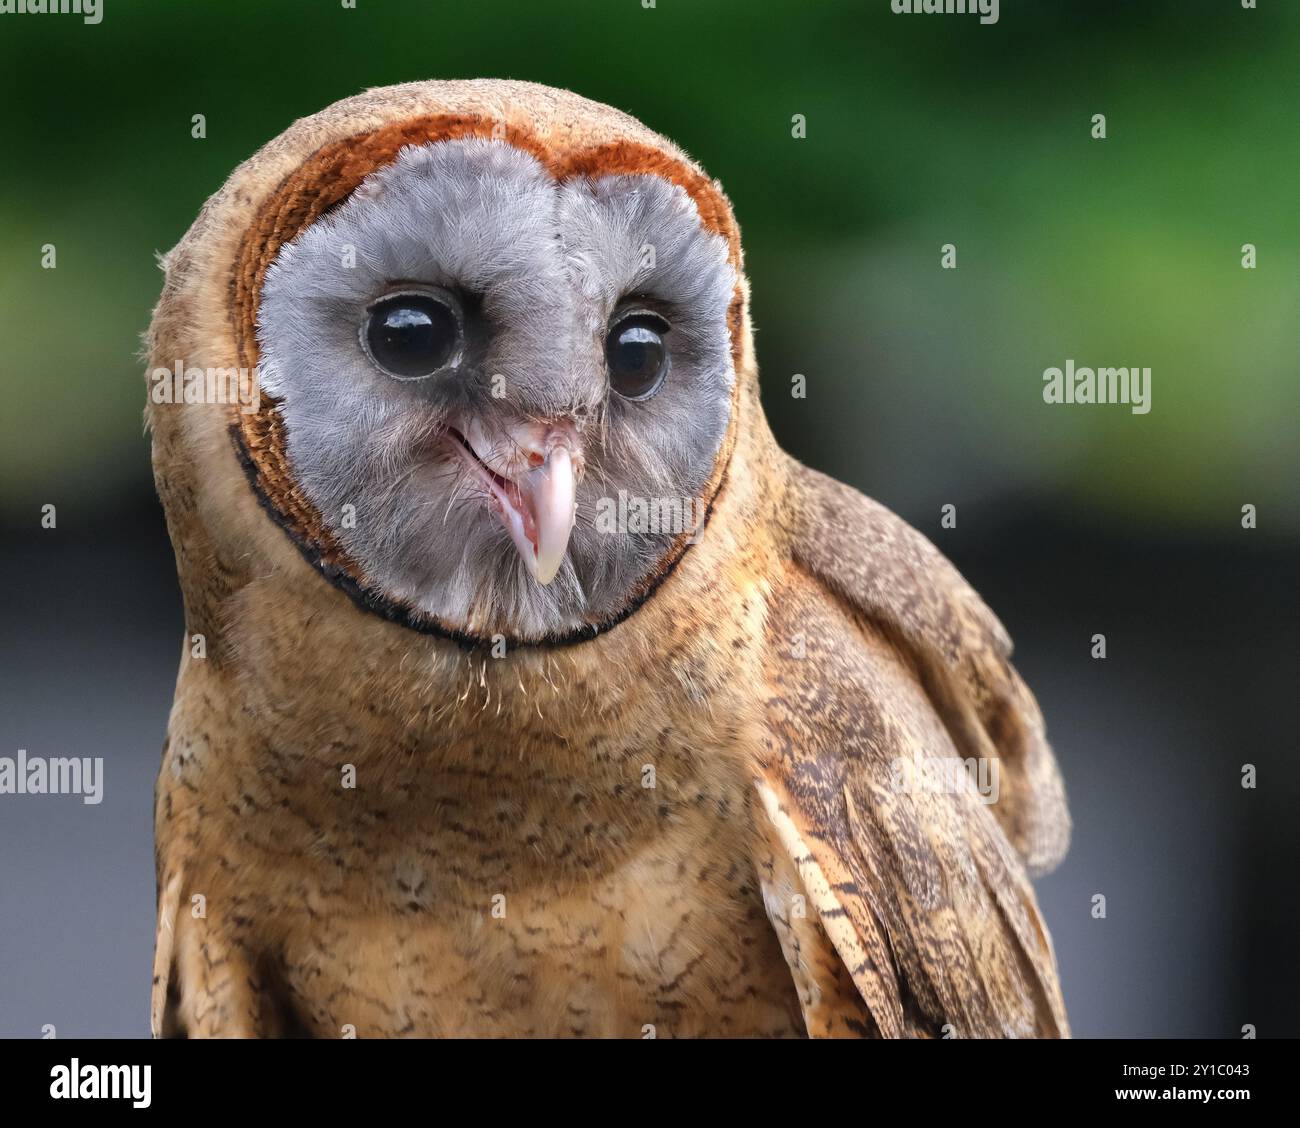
[528, 687]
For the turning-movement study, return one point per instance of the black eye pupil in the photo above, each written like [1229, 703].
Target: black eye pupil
[636, 356]
[412, 335]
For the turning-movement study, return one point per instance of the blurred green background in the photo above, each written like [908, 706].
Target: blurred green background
[922, 130]
[924, 388]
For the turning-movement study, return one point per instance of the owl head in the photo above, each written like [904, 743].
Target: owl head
[496, 329]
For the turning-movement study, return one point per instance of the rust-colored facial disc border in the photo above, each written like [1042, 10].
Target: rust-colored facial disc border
[328, 177]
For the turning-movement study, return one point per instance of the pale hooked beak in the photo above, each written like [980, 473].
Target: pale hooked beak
[531, 471]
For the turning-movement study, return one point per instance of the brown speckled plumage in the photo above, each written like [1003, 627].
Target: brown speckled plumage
[500, 867]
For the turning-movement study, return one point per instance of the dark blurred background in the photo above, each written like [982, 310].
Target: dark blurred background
[924, 389]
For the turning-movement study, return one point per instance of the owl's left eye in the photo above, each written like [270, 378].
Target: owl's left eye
[413, 335]
[636, 354]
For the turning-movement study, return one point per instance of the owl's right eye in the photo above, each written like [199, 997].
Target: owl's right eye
[413, 335]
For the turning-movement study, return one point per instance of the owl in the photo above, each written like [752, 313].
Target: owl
[528, 687]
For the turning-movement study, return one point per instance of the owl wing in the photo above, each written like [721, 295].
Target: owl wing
[164, 1018]
[898, 887]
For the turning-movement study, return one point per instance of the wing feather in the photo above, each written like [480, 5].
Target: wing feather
[923, 892]
[890, 574]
